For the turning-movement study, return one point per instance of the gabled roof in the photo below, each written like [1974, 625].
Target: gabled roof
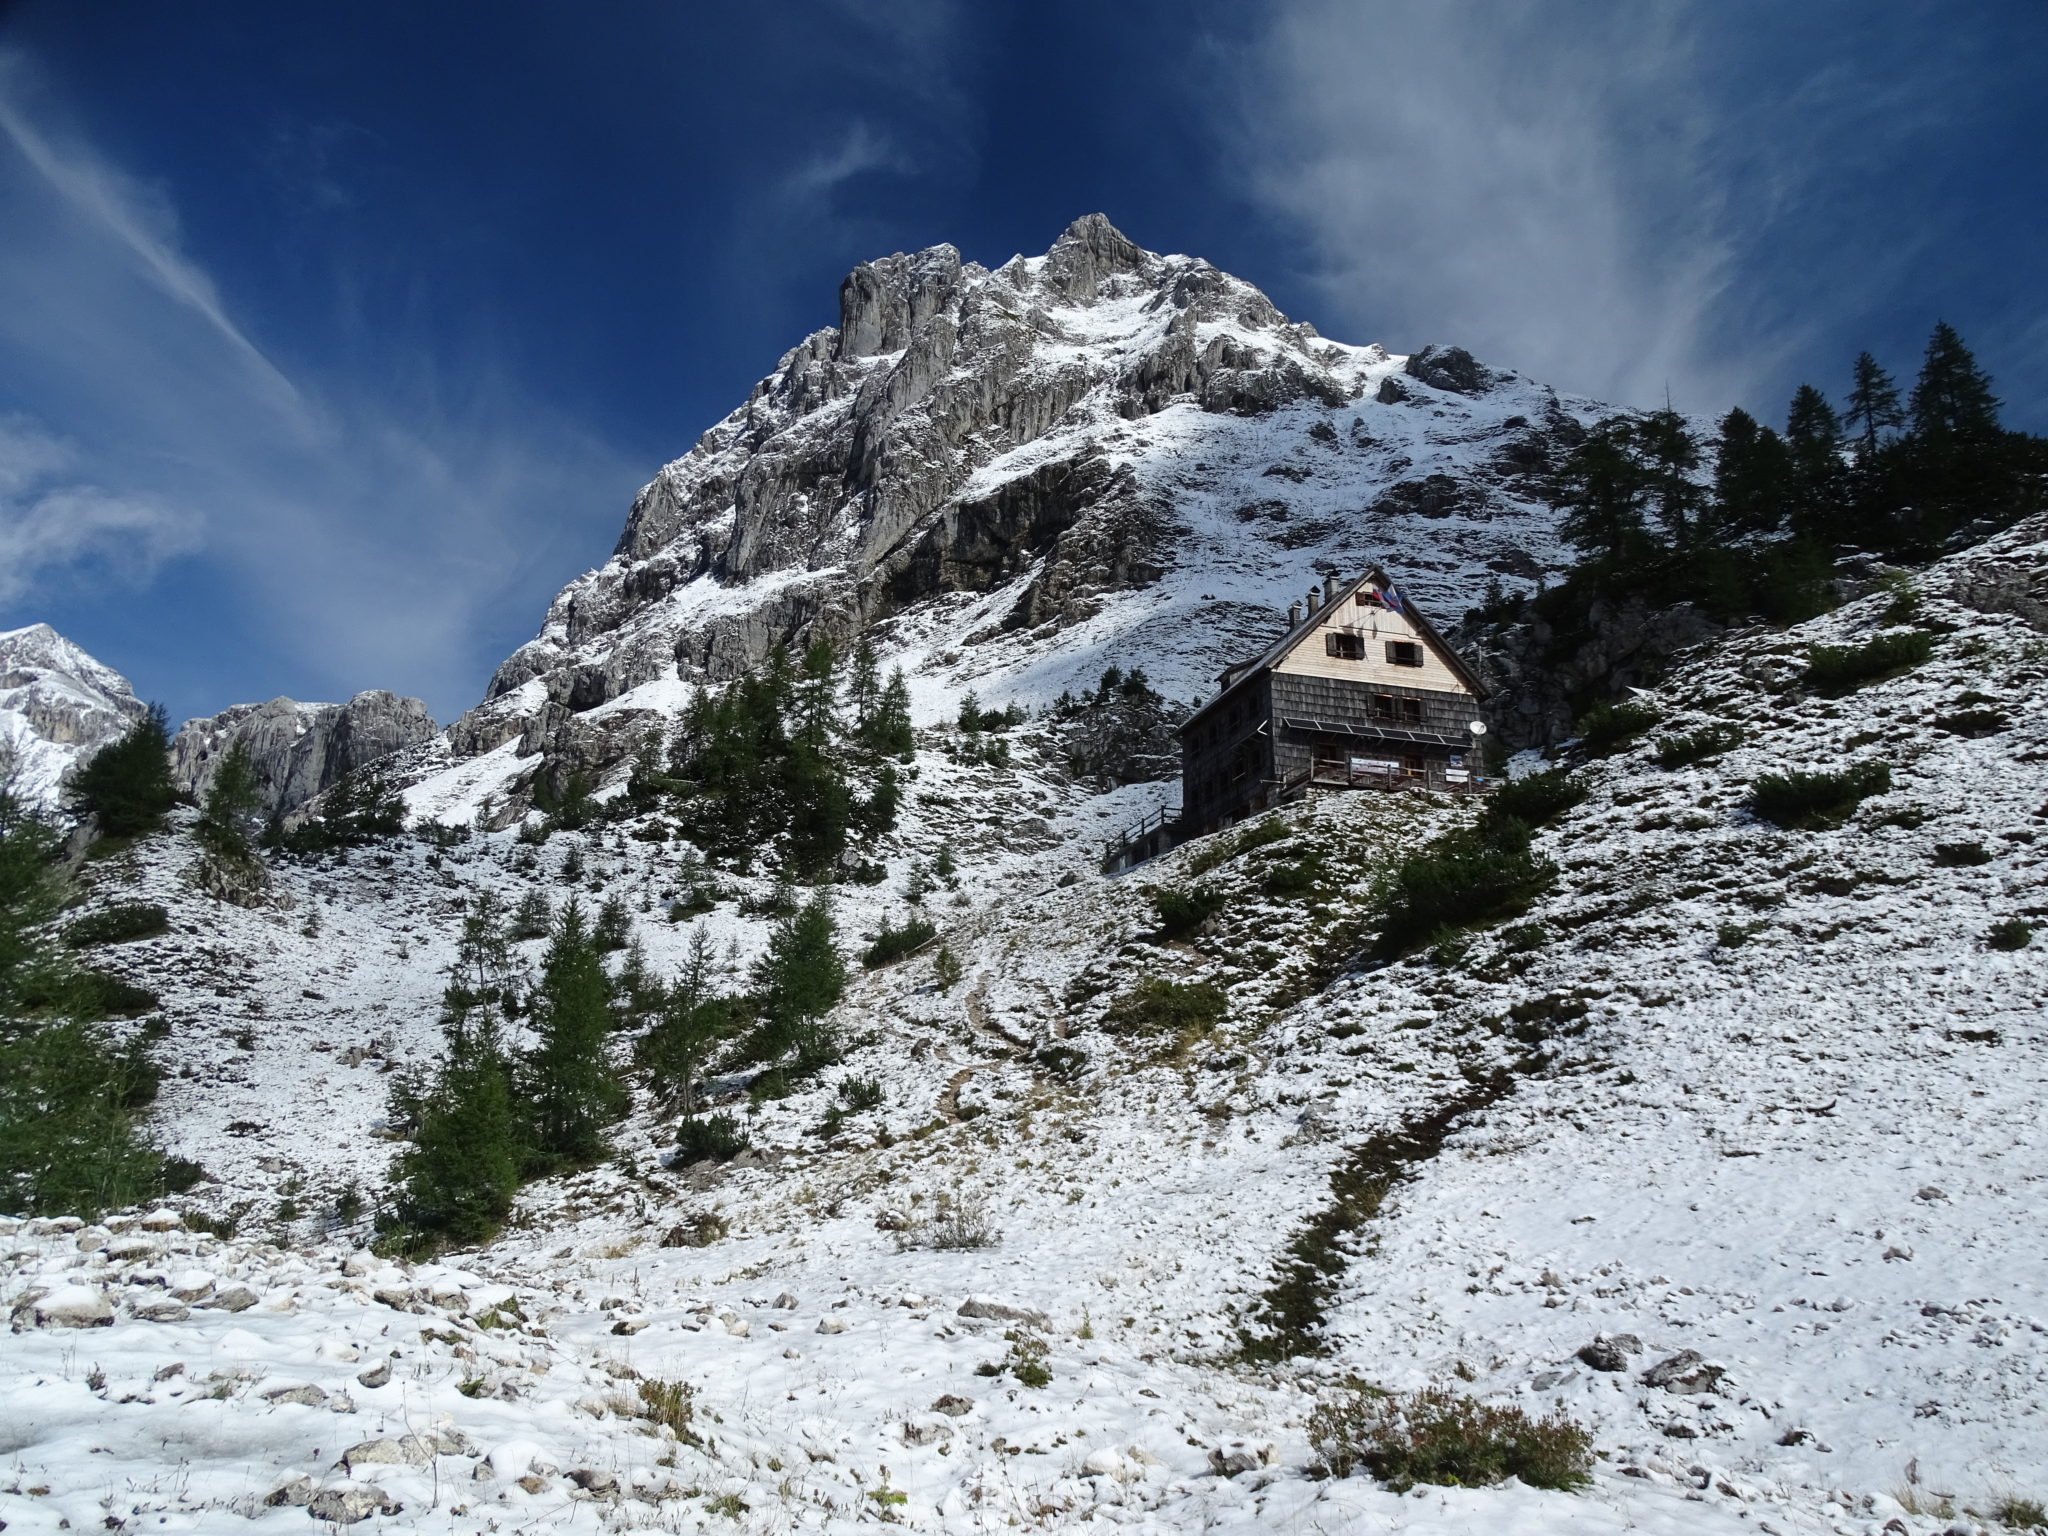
[1275, 653]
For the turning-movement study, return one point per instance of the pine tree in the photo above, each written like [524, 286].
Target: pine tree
[878, 816]
[1873, 407]
[233, 809]
[485, 966]
[693, 1019]
[795, 985]
[127, 783]
[816, 697]
[614, 930]
[1752, 473]
[533, 918]
[1813, 441]
[1602, 492]
[1952, 399]
[1669, 454]
[569, 1091]
[455, 1182]
[864, 684]
[889, 730]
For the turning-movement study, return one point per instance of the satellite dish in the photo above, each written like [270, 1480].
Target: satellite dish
[1477, 727]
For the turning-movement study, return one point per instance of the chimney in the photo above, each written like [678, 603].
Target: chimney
[1315, 601]
[1330, 588]
[1293, 615]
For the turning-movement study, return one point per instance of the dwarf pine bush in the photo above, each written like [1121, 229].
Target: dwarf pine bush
[1607, 728]
[1814, 801]
[1445, 1438]
[1840, 669]
[119, 924]
[1697, 746]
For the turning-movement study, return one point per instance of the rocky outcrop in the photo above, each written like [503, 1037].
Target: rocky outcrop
[57, 706]
[1041, 429]
[299, 749]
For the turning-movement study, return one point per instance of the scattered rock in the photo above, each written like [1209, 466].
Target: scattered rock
[595, 1481]
[786, 1302]
[394, 1297]
[954, 1407]
[75, 1306]
[192, 1285]
[1106, 1462]
[1610, 1353]
[1685, 1371]
[159, 1309]
[831, 1325]
[924, 1431]
[236, 1298]
[347, 1503]
[628, 1326]
[163, 1219]
[376, 1376]
[294, 1492]
[306, 1395]
[410, 1451]
[1239, 1457]
[977, 1306]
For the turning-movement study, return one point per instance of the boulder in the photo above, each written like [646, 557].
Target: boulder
[953, 1406]
[347, 1503]
[306, 1395]
[980, 1306]
[75, 1306]
[376, 1376]
[236, 1298]
[406, 1451]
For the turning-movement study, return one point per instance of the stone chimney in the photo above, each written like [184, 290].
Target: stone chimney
[1330, 588]
[1315, 600]
[1293, 615]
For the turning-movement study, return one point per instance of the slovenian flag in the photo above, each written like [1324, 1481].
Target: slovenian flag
[1391, 598]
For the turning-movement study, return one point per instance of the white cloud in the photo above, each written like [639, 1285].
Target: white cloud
[1545, 185]
[399, 526]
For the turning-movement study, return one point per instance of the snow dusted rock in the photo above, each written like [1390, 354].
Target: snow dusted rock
[75, 1306]
[299, 750]
[515, 1459]
[1240, 1456]
[134, 1250]
[162, 1219]
[376, 1376]
[831, 1325]
[982, 1307]
[347, 1503]
[236, 1298]
[406, 1451]
[294, 1492]
[925, 1430]
[158, 1309]
[786, 1302]
[1610, 1353]
[1686, 1371]
[192, 1285]
[595, 1481]
[339, 1353]
[306, 1395]
[953, 1406]
[1107, 1462]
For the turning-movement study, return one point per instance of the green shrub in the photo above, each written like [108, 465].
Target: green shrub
[860, 1093]
[1297, 877]
[1224, 847]
[1182, 912]
[1178, 1011]
[1838, 669]
[2018, 1514]
[101, 996]
[668, 1402]
[1474, 876]
[118, 924]
[1708, 741]
[1061, 1061]
[1534, 801]
[716, 1137]
[1606, 728]
[67, 1135]
[1960, 855]
[1445, 1438]
[2012, 933]
[1027, 1363]
[892, 944]
[1973, 723]
[1812, 801]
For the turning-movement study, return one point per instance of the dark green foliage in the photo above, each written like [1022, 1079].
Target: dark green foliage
[1534, 800]
[121, 923]
[892, 944]
[2011, 933]
[1838, 669]
[1182, 912]
[533, 918]
[716, 1137]
[691, 1020]
[568, 1092]
[126, 785]
[888, 729]
[1960, 855]
[233, 812]
[859, 1094]
[946, 969]
[1447, 1439]
[614, 928]
[1297, 877]
[1697, 746]
[1175, 1012]
[1814, 801]
[1482, 874]
[100, 996]
[973, 718]
[454, 1184]
[1873, 413]
[361, 809]
[1287, 1320]
[1064, 1062]
[1225, 846]
[569, 808]
[1606, 728]
[795, 985]
[1952, 399]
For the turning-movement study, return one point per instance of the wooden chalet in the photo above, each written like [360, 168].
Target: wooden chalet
[1360, 692]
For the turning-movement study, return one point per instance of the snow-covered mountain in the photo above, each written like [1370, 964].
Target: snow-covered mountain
[1012, 478]
[57, 706]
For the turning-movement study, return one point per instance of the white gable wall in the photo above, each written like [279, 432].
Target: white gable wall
[1376, 625]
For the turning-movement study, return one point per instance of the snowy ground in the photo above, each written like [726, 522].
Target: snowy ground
[1771, 1099]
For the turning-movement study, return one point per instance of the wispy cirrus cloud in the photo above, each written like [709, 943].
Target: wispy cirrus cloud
[379, 524]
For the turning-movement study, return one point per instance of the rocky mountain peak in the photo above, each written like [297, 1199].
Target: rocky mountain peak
[1100, 454]
[57, 704]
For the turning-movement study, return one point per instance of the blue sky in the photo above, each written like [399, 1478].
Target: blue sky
[334, 339]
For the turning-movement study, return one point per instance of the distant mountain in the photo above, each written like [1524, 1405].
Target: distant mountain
[1011, 478]
[57, 705]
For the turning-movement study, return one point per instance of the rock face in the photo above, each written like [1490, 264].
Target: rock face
[1099, 428]
[299, 749]
[57, 706]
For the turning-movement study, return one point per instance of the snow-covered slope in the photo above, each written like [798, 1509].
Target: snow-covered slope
[57, 705]
[1767, 1097]
[1014, 478]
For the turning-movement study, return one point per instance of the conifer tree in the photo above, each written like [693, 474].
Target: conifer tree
[1669, 454]
[127, 783]
[691, 1022]
[569, 1091]
[1813, 441]
[889, 730]
[456, 1180]
[884, 804]
[1602, 492]
[1752, 470]
[233, 809]
[485, 966]
[1873, 407]
[796, 983]
[614, 928]
[864, 684]
[1952, 399]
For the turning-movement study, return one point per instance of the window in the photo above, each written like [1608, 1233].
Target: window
[1404, 653]
[1345, 647]
[1411, 711]
[1383, 706]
